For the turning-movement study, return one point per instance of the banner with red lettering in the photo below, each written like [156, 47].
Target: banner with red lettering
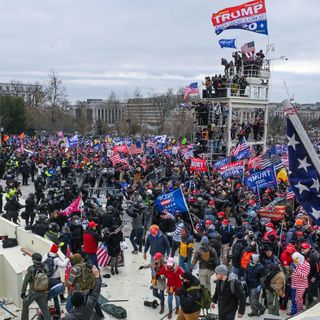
[231, 165]
[274, 213]
[198, 165]
[250, 16]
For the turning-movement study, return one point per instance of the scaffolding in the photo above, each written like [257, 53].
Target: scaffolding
[232, 105]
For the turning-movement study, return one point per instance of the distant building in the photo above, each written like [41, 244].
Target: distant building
[307, 111]
[96, 111]
[19, 89]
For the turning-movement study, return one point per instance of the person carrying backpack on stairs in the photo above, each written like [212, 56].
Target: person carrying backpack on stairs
[52, 261]
[190, 297]
[38, 283]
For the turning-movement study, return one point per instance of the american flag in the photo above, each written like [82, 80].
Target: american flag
[290, 194]
[273, 160]
[151, 144]
[144, 162]
[248, 49]
[191, 89]
[255, 162]
[115, 158]
[304, 177]
[242, 145]
[133, 149]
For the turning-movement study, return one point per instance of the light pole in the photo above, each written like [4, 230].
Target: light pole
[1, 133]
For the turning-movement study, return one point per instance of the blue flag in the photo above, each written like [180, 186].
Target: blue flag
[236, 172]
[172, 202]
[73, 141]
[303, 176]
[221, 162]
[227, 43]
[243, 154]
[261, 179]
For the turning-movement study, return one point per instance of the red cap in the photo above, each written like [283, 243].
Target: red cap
[211, 203]
[299, 234]
[225, 221]
[251, 202]
[208, 222]
[54, 248]
[220, 214]
[92, 224]
[305, 245]
[268, 191]
[158, 256]
[291, 248]
[270, 225]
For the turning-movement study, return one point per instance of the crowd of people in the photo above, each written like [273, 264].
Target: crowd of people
[268, 261]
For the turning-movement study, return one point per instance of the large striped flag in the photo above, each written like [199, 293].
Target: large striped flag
[242, 146]
[248, 49]
[290, 193]
[103, 255]
[191, 89]
[115, 158]
[133, 149]
[151, 144]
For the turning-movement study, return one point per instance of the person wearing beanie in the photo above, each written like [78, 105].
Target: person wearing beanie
[190, 297]
[52, 262]
[228, 294]
[208, 259]
[299, 282]
[253, 275]
[83, 306]
[40, 298]
[74, 283]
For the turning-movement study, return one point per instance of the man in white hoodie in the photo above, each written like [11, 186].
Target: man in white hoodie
[52, 262]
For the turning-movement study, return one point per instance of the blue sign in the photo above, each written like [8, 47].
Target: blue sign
[261, 179]
[221, 162]
[243, 154]
[233, 172]
[172, 202]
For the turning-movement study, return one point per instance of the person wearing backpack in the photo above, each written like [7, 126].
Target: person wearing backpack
[208, 260]
[81, 280]
[38, 283]
[84, 305]
[51, 262]
[190, 297]
[228, 294]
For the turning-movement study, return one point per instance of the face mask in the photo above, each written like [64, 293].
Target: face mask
[268, 229]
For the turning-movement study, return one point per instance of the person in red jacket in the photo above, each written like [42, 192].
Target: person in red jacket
[270, 230]
[90, 243]
[286, 255]
[173, 274]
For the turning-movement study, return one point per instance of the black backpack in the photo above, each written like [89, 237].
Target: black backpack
[49, 266]
[9, 243]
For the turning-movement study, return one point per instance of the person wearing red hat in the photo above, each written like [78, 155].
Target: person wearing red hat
[270, 231]
[52, 261]
[312, 257]
[90, 243]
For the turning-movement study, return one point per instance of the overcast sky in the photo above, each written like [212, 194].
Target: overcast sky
[98, 46]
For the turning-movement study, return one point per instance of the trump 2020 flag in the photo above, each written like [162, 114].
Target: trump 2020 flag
[227, 43]
[303, 176]
[72, 141]
[261, 179]
[250, 16]
[172, 202]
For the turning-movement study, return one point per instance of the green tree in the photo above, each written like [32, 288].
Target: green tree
[12, 114]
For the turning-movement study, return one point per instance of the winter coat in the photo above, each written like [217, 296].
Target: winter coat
[173, 276]
[278, 284]
[90, 241]
[237, 250]
[254, 274]
[160, 243]
[228, 302]
[190, 297]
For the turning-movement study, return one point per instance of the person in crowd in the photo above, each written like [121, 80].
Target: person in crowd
[39, 293]
[90, 243]
[228, 294]
[208, 259]
[186, 249]
[190, 295]
[299, 282]
[173, 273]
[83, 306]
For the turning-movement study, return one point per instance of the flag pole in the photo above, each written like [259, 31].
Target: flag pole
[291, 113]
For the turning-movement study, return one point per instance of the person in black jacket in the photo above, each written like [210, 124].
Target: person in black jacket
[237, 250]
[30, 207]
[12, 207]
[190, 297]
[228, 294]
